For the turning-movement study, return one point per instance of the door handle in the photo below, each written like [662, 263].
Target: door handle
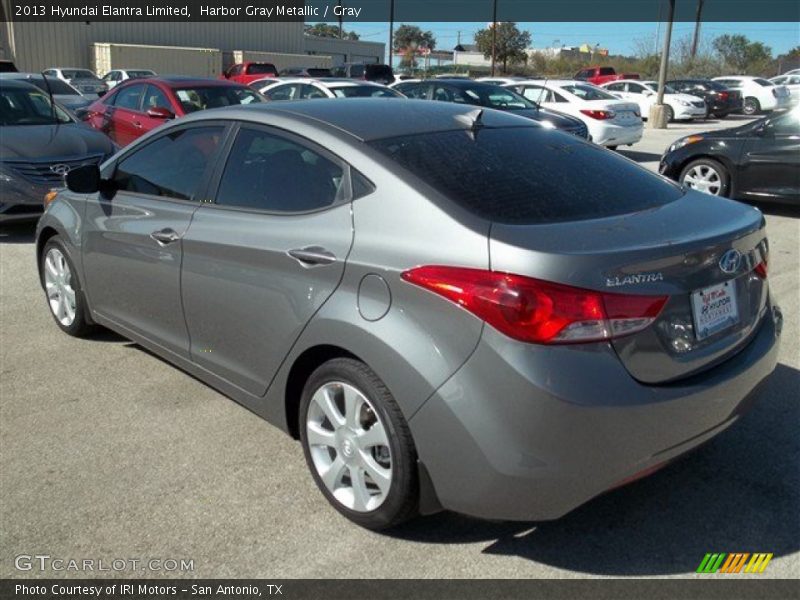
[312, 255]
[137, 124]
[165, 236]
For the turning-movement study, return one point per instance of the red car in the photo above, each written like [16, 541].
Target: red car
[137, 106]
[601, 75]
[248, 72]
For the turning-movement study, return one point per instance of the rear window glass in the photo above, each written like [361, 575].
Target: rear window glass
[379, 71]
[527, 175]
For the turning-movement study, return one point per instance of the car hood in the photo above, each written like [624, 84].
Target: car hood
[39, 142]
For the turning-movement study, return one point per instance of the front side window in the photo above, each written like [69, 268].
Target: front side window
[311, 92]
[616, 87]
[588, 92]
[172, 166]
[282, 92]
[129, 97]
[271, 173]
[155, 98]
[202, 98]
[536, 94]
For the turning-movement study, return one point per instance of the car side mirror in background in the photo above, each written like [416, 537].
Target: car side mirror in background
[84, 179]
[159, 112]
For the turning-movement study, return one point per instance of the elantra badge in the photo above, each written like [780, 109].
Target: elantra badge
[730, 261]
[617, 281]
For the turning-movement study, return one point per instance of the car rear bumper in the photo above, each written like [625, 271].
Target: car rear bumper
[607, 134]
[689, 112]
[527, 432]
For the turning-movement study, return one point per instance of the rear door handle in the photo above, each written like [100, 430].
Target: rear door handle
[312, 255]
[165, 236]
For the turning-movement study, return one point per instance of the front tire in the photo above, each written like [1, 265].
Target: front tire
[751, 106]
[63, 289]
[358, 445]
[669, 114]
[706, 175]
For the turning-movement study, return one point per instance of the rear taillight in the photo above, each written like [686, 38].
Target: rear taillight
[761, 269]
[600, 115]
[532, 310]
[723, 95]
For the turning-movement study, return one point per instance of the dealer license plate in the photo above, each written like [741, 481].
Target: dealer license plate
[714, 309]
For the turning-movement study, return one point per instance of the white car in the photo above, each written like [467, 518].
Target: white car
[792, 83]
[678, 106]
[612, 122]
[759, 94]
[117, 76]
[502, 80]
[305, 88]
[83, 80]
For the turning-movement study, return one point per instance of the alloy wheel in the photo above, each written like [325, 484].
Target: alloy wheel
[59, 288]
[349, 446]
[704, 178]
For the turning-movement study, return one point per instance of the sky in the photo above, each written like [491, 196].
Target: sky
[619, 38]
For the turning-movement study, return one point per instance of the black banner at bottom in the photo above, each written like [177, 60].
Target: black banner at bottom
[722, 588]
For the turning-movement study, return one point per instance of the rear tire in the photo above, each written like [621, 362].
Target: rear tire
[706, 175]
[720, 115]
[669, 114]
[751, 106]
[358, 446]
[63, 289]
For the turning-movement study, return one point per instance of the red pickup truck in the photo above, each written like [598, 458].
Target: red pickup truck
[248, 72]
[601, 75]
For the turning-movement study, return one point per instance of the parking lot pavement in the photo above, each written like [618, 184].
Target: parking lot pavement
[108, 452]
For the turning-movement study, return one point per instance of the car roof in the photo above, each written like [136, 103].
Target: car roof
[17, 83]
[175, 81]
[370, 119]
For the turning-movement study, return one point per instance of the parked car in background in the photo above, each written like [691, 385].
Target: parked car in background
[137, 106]
[83, 80]
[372, 72]
[677, 106]
[314, 72]
[611, 122]
[302, 89]
[720, 100]
[503, 80]
[791, 83]
[487, 95]
[601, 75]
[759, 94]
[63, 93]
[247, 72]
[117, 76]
[39, 144]
[486, 317]
[759, 161]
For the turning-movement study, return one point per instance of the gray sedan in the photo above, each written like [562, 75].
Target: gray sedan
[426, 296]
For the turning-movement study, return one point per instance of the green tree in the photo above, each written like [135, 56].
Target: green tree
[742, 55]
[510, 45]
[327, 30]
[408, 39]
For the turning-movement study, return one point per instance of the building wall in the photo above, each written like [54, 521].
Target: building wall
[472, 59]
[342, 51]
[38, 45]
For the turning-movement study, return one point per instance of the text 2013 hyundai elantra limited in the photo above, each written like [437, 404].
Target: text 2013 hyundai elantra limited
[449, 307]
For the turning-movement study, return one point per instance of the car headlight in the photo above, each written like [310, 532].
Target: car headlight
[5, 176]
[691, 139]
[684, 103]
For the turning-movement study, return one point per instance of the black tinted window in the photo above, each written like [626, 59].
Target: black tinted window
[267, 172]
[527, 175]
[171, 166]
[261, 69]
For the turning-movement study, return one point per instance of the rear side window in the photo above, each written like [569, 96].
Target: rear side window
[527, 175]
[275, 174]
[172, 166]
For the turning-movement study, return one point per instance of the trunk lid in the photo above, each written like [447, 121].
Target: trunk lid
[673, 250]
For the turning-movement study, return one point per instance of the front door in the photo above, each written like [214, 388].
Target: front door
[133, 235]
[261, 260]
[771, 161]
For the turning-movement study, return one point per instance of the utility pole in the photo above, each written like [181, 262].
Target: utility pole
[657, 117]
[494, 35]
[696, 38]
[391, 33]
[339, 4]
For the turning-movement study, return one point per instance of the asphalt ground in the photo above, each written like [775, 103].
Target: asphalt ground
[107, 452]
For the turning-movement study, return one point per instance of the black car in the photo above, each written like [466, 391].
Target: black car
[759, 161]
[489, 95]
[373, 72]
[720, 100]
[306, 72]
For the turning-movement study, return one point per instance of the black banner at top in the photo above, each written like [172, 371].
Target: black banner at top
[404, 10]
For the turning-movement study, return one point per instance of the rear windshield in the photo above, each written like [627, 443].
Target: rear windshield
[379, 71]
[365, 91]
[78, 74]
[261, 69]
[527, 175]
[140, 74]
[57, 86]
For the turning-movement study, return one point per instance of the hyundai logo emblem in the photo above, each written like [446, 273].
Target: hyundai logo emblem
[60, 169]
[730, 261]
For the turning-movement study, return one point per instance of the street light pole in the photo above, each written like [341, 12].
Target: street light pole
[494, 35]
[657, 117]
[696, 37]
[391, 33]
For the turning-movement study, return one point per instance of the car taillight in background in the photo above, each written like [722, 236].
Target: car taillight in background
[537, 311]
[761, 269]
[600, 115]
[723, 95]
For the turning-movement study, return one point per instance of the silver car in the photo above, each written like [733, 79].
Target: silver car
[450, 307]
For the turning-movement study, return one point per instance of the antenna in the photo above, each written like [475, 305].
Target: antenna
[52, 100]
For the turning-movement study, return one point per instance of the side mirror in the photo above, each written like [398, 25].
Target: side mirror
[84, 179]
[159, 112]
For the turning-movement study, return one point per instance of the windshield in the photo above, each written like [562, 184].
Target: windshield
[588, 92]
[201, 98]
[365, 91]
[261, 69]
[28, 107]
[493, 96]
[140, 74]
[78, 74]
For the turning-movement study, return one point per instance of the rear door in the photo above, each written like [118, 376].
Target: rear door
[132, 237]
[262, 259]
[770, 164]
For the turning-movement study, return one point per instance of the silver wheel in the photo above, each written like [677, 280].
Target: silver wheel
[349, 446]
[58, 285]
[704, 178]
